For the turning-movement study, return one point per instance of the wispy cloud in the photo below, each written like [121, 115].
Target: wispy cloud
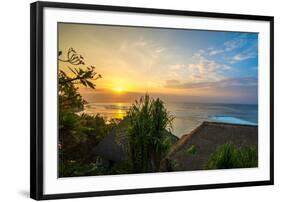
[142, 53]
[227, 46]
[231, 48]
[177, 66]
[215, 52]
[234, 44]
[245, 55]
[172, 82]
[207, 70]
[240, 57]
[225, 83]
[202, 71]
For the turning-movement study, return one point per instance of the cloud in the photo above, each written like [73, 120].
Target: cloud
[215, 52]
[226, 47]
[234, 44]
[172, 82]
[241, 40]
[141, 54]
[241, 47]
[141, 42]
[243, 56]
[177, 66]
[229, 83]
[206, 70]
[160, 50]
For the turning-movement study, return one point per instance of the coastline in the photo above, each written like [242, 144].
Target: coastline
[187, 115]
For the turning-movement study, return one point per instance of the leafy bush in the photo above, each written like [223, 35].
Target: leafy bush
[74, 169]
[70, 99]
[96, 125]
[123, 167]
[249, 157]
[78, 133]
[229, 156]
[149, 121]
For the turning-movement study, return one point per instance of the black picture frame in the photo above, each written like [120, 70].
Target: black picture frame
[36, 99]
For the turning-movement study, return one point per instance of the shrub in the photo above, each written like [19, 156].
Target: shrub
[249, 157]
[149, 121]
[229, 156]
[74, 169]
[79, 134]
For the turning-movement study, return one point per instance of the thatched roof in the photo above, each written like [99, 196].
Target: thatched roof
[109, 149]
[114, 146]
[207, 137]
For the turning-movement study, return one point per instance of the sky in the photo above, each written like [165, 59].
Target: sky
[177, 65]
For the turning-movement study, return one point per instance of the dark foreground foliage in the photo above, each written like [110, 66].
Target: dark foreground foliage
[78, 132]
[146, 131]
[229, 156]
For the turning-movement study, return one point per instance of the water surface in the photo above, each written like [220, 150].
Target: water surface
[187, 115]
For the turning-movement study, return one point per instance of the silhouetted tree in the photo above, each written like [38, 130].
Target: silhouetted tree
[69, 98]
[77, 133]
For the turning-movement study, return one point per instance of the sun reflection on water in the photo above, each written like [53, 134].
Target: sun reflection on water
[120, 114]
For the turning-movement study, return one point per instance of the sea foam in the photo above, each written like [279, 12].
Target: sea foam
[231, 119]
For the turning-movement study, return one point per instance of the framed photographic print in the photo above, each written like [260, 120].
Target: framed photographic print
[135, 100]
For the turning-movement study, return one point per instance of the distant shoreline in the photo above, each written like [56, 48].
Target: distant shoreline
[174, 102]
[187, 115]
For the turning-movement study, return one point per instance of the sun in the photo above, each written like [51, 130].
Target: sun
[119, 89]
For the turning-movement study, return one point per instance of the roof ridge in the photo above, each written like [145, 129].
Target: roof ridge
[186, 137]
[228, 124]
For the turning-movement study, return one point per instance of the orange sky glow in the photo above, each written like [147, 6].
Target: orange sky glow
[134, 61]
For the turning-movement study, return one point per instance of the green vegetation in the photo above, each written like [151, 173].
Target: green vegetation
[149, 120]
[78, 133]
[145, 128]
[74, 168]
[229, 156]
[69, 99]
[249, 157]
[144, 134]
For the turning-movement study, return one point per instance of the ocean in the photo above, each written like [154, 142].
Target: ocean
[187, 115]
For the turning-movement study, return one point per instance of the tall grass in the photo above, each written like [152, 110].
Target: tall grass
[149, 120]
[229, 156]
